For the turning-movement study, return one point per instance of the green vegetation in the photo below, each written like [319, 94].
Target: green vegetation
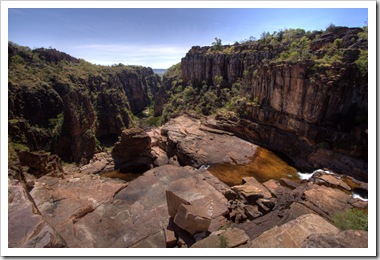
[217, 44]
[146, 119]
[56, 124]
[223, 243]
[351, 219]
[362, 62]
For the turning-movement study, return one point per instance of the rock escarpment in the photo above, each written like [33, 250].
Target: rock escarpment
[63, 104]
[298, 101]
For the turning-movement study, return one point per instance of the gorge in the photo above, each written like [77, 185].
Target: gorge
[188, 144]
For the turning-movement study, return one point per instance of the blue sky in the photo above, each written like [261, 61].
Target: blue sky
[157, 37]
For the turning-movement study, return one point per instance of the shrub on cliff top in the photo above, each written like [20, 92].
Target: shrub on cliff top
[217, 44]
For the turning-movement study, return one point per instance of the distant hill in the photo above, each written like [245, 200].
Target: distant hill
[159, 72]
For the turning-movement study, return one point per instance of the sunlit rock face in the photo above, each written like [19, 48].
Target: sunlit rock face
[316, 115]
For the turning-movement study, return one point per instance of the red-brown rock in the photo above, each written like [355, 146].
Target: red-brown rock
[192, 218]
[133, 152]
[26, 226]
[293, 233]
[342, 239]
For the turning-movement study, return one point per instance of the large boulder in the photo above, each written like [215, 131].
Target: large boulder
[192, 218]
[174, 202]
[133, 152]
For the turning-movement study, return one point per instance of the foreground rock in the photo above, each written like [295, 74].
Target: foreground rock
[63, 203]
[133, 152]
[26, 226]
[118, 214]
[294, 233]
[289, 204]
[342, 239]
[232, 237]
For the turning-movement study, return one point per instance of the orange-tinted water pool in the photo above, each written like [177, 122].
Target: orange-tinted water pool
[264, 166]
[120, 175]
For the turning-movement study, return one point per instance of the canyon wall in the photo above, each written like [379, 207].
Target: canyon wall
[65, 105]
[313, 113]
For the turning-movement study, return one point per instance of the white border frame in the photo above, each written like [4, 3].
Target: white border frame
[372, 243]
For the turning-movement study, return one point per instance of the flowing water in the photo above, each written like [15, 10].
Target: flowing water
[264, 166]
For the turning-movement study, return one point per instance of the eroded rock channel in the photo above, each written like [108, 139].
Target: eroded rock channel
[182, 197]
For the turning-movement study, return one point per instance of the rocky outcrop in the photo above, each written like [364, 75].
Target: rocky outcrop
[196, 145]
[41, 163]
[133, 152]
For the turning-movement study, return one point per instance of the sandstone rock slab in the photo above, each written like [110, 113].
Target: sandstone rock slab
[196, 147]
[342, 239]
[293, 233]
[329, 200]
[289, 183]
[332, 181]
[230, 238]
[252, 212]
[112, 213]
[192, 218]
[64, 202]
[26, 226]
[174, 202]
[252, 190]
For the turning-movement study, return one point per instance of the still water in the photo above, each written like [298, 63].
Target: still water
[264, 166]
[117, 174]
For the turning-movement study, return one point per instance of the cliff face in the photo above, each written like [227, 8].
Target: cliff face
[312, 110]
[62, 104]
